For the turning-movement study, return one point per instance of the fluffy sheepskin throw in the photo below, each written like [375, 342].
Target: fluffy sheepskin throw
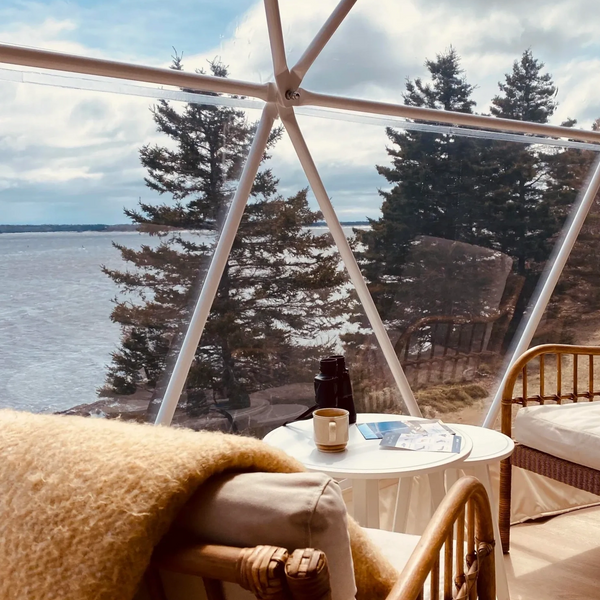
[84, 501]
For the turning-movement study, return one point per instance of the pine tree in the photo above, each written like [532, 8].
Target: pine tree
[280, 291]
[527, 94]
[521, 218]
[578, 290]
[435, 179]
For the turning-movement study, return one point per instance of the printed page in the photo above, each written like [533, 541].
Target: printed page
[435, 442]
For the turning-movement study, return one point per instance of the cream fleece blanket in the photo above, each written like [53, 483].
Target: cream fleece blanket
[84, 501]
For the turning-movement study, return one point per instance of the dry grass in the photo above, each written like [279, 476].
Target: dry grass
[442, 398]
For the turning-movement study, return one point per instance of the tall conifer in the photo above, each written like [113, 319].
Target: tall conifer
[280, 291]
[434, 178]
[520, 218]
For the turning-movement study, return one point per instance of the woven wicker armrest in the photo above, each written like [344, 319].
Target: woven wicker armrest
[260, 570]
[307, 575]
[463, 519]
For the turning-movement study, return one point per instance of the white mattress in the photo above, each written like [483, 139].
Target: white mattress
[568, 431]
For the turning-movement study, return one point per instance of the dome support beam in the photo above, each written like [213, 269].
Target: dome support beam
[339, 237]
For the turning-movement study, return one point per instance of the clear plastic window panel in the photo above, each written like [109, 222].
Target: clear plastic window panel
[111, 208]
[455, 232]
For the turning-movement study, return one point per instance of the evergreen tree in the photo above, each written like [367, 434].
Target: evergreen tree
[280, 290]
[578, 290]
[522, 220]
[527, 94]
[483, 192]
[435, 178]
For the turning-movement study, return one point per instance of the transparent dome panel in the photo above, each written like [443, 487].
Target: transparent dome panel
[284, 303]
[380, 45]
[143, 32]
[455, 232]
[110, 209]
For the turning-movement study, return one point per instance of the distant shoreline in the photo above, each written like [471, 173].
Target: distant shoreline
[342, 223]
[123, 227]
[59, 228]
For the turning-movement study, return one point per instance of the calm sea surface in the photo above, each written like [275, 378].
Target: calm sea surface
[56, 336]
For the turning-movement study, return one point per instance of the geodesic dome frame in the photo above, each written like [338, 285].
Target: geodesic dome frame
[282, 98]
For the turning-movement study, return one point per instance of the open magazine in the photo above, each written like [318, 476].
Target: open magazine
[420, 435]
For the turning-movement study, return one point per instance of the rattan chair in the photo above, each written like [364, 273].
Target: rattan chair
[459, 537]
[578, 476]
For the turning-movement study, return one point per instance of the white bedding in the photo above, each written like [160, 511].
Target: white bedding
[568, 431]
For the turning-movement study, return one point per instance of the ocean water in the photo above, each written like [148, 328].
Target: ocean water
[56, 336]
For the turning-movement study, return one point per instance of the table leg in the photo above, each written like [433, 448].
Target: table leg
[482, 472]
[438, 491]
[365, 498]
[451, 478]
[400, 522]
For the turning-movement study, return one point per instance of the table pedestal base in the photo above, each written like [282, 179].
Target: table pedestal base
[365, 499]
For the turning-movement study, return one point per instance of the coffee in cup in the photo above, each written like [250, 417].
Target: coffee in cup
[331, 429]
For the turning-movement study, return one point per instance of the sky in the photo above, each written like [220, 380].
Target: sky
[71, 156]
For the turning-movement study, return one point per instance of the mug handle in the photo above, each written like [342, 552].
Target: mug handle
[332, 431]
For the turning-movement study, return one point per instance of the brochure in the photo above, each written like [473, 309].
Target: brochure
[425, 435]
[375, 431]
[437, 442]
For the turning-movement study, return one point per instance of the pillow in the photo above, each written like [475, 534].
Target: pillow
[291, 510]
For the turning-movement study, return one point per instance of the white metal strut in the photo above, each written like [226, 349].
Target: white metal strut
[339, 237]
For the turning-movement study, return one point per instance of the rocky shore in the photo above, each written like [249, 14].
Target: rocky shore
[268, 409]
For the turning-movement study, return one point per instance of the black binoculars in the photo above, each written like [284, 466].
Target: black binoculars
[333, 388]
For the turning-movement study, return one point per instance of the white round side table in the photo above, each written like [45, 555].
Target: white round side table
[365, 462]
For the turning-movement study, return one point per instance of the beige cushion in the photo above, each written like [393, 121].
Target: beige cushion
[570, 431]
[396, 547]
[292, 510]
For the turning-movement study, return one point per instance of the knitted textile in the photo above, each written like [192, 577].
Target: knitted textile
[84, 501]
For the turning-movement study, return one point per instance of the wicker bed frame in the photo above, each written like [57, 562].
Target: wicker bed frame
[463, 519]
[578, 476]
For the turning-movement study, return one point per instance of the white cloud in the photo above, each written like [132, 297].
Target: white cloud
[55, 137]
[381, 44]
[91, 139]
[50, 34]
[49, 174]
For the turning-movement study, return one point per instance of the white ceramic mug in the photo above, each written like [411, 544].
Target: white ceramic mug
[331, 429]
